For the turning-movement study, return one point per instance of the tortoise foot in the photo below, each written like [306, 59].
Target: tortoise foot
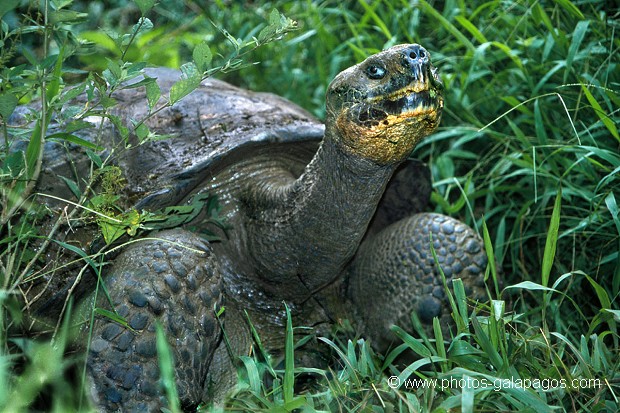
[174, 281]
[398, 262]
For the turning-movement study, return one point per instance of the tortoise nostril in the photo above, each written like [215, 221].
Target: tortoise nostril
[416, 55]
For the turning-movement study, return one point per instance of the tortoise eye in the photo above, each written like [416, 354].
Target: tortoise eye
[375, 72]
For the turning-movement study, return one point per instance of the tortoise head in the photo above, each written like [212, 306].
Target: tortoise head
[381, 108]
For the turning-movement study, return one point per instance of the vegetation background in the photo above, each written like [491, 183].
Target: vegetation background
[527, 153]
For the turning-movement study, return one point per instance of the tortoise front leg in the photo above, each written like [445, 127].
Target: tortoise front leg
[163, 281]
[397, 264]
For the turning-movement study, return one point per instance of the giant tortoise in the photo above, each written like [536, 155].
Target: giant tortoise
[326, 221]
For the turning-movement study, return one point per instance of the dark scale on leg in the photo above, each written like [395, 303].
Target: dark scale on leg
[156, 280]
[399, 259]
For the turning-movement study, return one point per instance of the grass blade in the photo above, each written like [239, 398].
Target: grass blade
[607, 121]
[467, 396]
[166, 368]
[430, 10]
[413, 343]
[253, 376]
[612, 206]
[471, 28]
[488, 247]
[578, 35]
[289, 360]
[552, 239]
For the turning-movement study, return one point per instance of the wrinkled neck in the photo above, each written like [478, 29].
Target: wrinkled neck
[304, 232]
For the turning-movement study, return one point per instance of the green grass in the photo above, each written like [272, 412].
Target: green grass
[528, 153]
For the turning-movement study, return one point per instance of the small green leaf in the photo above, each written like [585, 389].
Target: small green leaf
[72, 93]
[62, 136]
[488, 247]
[142, 131]
[78, 125]
[132, 220]
[145, 5]
[531, 286]
[275, 18]
[14, 164]
[100, 82]
[135, 69]
[107, 102]
[122, 129]
[177, 215]
[124, 41]
[114, 317]
[202, 56]
[278, 26]
[7, 5]
[143, 82]
[615, 313]
[602, 295]
[113, 73]
[95, 158]
[53, 87]
[153, 93]
[460, 299]
[35, 146]
[75, 190]
[8, 103]
[439, 341]
[143, 25]
[66, 16]
[110, 230]
[184, 87]
[265, 34]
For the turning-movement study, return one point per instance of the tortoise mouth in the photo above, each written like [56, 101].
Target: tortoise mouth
[421, 97]
[413, 101]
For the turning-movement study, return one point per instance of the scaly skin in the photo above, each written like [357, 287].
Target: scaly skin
[296, 235]
[398, 261]
[306, 230]
[174, 280]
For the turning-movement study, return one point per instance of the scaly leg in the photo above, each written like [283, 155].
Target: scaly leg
[157, 281]
[394, 273]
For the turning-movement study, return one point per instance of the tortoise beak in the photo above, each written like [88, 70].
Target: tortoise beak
[425, 89]
[422, 91]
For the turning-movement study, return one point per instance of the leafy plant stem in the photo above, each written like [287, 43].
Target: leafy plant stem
[237, 54]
